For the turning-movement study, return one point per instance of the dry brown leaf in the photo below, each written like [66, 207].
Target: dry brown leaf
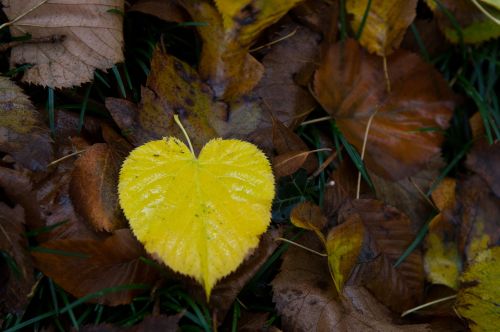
[92, 39]
[307, 301]
[308, 215]
[408, 194]
[150, 323]
[93, 188]
[484, 159]
[86, 266]
[388, 235]
[280, 90]
[478, 212]
[22, 132]
[16, 281]
[384, 25]
[167, 10]
[290, 162]
[253, 321]
[350, 85]
[318, 16]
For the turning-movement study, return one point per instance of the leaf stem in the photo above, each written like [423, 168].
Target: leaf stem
[6, 24]
[428, 304]
[363, 148]
[301, 246]
[178, 121]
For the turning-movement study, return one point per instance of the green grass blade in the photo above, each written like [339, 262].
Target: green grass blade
[84, 108]
[420, 43]
[59, 252]
[359, 33]
[51, 110]
[119, 80]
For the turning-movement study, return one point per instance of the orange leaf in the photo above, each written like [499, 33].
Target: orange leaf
[406, 130]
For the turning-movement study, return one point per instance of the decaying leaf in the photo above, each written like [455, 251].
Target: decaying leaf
[343, 246]
[149, 324]
[289, 162]
[308, 215]
[87, 36]
[442, 261]
[475, 26]
[86, 266]
[478, 299]
[282, 90]
[22, 132]
[388, 235]
[385, 23]
[93, 188]
[199, 215]
[349, 85]
[307, 301]
[232, 28]
[484, 159]
[167, 10]
[16, 266]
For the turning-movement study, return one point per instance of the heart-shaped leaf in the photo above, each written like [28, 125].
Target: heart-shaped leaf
[200, 216]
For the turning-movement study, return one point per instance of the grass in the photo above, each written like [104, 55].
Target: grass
[471, 71]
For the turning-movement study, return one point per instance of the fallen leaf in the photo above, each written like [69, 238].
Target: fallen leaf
[86, 266]
[484, 159]
[308, 215]
[22, 132]
[307, 301]
[318, 16]
[290, 162]
[343, 246]
[408, 194]
[221, 202]
[478, 297]
[90, 37]
[167, 10]
[385, 22]
[93, 188]
[475, 26]
[18, 277]
[232, 28]
[397, 145]
[442, 261]
[149, 324]
[253, 321]
[286, 98]
[476, 124]
[477, 210]
[388, 235]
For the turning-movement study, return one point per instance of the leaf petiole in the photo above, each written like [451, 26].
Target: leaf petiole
[178, 121]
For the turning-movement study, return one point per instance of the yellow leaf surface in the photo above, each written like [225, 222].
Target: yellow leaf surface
[479, 298]
[309, 216]
[199, 215]
[385, 25]
[343, 246]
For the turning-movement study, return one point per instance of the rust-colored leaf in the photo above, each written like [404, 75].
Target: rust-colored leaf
[93, 188]
[307, 301]
[350, 85]
[484, 159]
[167, 10]
[149, 324]
[85, 266]
[18, 277]
[289, 162]
[388, 235]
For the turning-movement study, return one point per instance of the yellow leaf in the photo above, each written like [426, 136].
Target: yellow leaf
[200, 216]
[309, 216]
[385, 23]
[479, 298]
[343, 246]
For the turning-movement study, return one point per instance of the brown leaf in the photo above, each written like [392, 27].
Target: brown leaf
[19, 189]
[388, 236]
[281, 93]
[22, 132]
[318, 16]
[308, 215]
[484, 159]
[90, 37]
[17, 280]
[408, 195]
[86, 266]
[150, 324]
[167, 10]
[93, 188]
[253, 321]
[289, 162]
[478, 214]
[350, 85]
[307, 301]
